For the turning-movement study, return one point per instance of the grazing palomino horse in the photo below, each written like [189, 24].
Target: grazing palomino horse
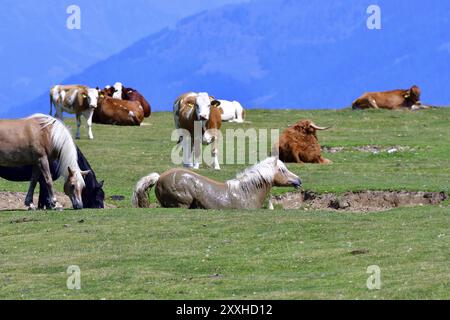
[201, 109]
[181, 188]
[36, 140]
[93, 195]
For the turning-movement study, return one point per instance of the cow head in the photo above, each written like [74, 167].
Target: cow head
[413, 95]
[89, 97]
[118, 90]
[108, 91]
[203, 106]
[308, 127]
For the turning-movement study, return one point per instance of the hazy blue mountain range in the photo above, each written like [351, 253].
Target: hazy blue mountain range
[286, 54]
[37, 49]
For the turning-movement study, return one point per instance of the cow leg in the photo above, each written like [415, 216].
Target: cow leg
[187, 154]
[59, 113]
[297, 158]
[176, 118]
[77, 136]
[373, 103]
[88, 115]
[197, 154]
[215, 155]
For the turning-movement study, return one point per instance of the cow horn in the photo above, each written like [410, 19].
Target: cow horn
[318, 128]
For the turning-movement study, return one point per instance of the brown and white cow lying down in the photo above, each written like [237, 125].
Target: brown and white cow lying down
[395, 99]
[299, 144]
[118, 91]
[74, 99]
[118, 112]
[198, 108]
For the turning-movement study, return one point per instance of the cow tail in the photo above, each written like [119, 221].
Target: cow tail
[140, 198]
[51, 104]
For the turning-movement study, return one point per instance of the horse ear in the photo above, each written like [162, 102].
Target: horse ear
[85, 173]
[215, 103]
[102, 183]
[70, 172]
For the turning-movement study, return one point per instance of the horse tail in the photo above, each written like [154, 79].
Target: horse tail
[143, 187]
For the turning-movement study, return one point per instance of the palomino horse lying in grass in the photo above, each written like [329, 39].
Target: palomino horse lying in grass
[181, 188]
[36, 140]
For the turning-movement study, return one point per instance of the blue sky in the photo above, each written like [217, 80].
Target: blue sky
[37, 50]
[264, 53]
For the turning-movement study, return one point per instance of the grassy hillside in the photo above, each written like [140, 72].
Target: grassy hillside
[160, 253]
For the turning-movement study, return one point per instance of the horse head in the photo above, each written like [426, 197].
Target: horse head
[74, 185]
[283, 177]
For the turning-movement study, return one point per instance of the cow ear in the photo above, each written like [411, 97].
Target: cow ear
[215, 103]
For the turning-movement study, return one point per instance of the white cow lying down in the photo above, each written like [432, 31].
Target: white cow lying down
[232, 111]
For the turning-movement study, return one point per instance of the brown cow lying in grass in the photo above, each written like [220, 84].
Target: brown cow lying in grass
[118, 112]
[395, 99]
[299, 144]
[118, 91]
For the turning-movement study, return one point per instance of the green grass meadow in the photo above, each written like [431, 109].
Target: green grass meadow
[158, 253]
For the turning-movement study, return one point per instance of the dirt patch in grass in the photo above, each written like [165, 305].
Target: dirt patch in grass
[363, 201]
[10, 201]
[15, 200]
[369, 149]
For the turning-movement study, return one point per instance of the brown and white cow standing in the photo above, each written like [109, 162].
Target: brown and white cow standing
[198, 109]
[395, 99]
[74, 99]
[299, 144]
[117, 112]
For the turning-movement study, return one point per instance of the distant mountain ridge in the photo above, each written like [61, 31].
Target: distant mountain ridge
[287, 54]
[38, 50]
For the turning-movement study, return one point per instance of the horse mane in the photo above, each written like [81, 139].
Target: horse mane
[255, 177]
[62, 144]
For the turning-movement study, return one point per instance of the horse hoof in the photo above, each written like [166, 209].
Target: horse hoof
[188, 166]
[31, 207]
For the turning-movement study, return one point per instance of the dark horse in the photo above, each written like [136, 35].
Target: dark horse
[93, 195]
